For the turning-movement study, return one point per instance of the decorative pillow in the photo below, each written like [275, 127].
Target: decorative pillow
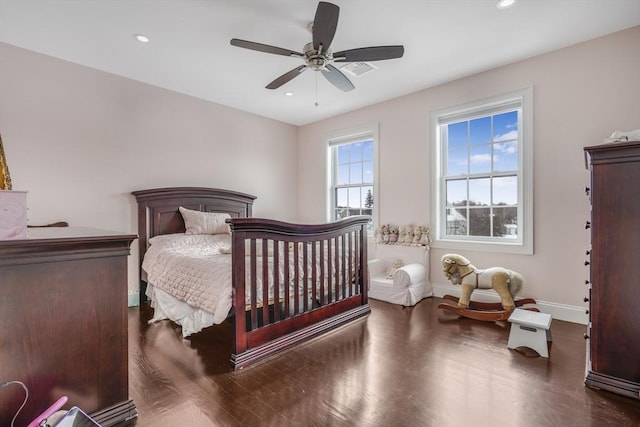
[197, 222]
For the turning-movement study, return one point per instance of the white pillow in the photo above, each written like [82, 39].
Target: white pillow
[197, 222]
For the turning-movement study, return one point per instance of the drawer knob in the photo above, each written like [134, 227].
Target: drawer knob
[587, 225]
[586, 312]
[587, 252]
[586, 282]
[587, 263]
[586, 337]
[585, 299]
[587, 190]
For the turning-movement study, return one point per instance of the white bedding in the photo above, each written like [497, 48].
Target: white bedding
[195, 269]
[189, 279]
[165, 306]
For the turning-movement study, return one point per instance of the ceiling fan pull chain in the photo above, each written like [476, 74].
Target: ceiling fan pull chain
[316, 104]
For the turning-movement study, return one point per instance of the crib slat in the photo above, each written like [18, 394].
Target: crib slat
[350, 270]
[276, 280]
[337, 268]
[253, 285]
[314, 274]
[356, 269]
[296, 279]
[287, 278]
[305, 278]
[265, 281]
[343, 258]
[322, 273]
[330, 269]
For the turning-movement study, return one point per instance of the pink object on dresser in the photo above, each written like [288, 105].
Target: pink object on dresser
[13, 215]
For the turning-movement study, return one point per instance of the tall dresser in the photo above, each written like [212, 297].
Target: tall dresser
[63, 323]
[613, 350]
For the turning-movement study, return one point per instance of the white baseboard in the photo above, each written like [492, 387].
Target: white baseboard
[568, 313]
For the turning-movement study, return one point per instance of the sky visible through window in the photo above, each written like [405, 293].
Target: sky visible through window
[354, 174]
[484, 150]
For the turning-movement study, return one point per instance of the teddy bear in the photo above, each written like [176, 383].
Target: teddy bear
[378, 234]
[385, 233]
[393, 233]
[417, 235]
[400, 235]
[425, 240]
[408, 234]
[395, 265]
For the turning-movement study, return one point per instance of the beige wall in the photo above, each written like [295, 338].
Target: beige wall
[581, 95]
[80, 140]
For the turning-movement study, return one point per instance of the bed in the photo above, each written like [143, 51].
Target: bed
[281, 283]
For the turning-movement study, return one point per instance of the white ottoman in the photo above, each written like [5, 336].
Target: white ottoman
[530, 329]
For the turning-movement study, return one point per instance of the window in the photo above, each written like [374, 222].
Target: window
[482, 195]
[352, 174]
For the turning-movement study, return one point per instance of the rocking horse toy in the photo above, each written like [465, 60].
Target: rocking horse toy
[506, 283]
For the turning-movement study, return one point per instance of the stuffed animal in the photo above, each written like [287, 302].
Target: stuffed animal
[417, 235]
[395, 265]
[393, 233]
[460, 271]
[425, 240]
[401, 234]
[408, 234]
[385, 233]
[378, 234]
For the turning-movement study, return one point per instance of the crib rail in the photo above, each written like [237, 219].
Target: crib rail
[293, 281]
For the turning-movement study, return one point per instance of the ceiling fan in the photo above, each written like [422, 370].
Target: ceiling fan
[318, 55]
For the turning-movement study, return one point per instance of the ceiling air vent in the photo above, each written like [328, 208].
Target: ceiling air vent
[357, 69]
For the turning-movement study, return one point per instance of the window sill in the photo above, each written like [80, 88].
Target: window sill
[509, 248]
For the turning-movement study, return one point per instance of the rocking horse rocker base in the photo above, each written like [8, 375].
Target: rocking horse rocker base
[487, 311]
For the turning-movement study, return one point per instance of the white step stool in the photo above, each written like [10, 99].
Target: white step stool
[530, 329]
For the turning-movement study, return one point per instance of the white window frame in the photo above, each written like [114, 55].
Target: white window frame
[346, 137]
[524, 245]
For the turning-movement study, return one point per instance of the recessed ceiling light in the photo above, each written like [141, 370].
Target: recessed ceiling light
[503, 4]
[288, 93]
[141, 38]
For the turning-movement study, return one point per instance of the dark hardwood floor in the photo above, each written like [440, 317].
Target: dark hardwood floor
[398, 366]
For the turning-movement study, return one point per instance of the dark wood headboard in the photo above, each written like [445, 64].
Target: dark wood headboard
[158, 209]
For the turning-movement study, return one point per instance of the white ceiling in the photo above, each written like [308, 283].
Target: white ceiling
[190, 51]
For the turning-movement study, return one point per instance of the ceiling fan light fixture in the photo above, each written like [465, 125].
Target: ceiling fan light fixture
[503, 4]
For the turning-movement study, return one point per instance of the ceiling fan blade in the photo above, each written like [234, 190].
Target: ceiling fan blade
[374, 53]
[337, 79]
[325, 24]
[264, 48]
[289, 75]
